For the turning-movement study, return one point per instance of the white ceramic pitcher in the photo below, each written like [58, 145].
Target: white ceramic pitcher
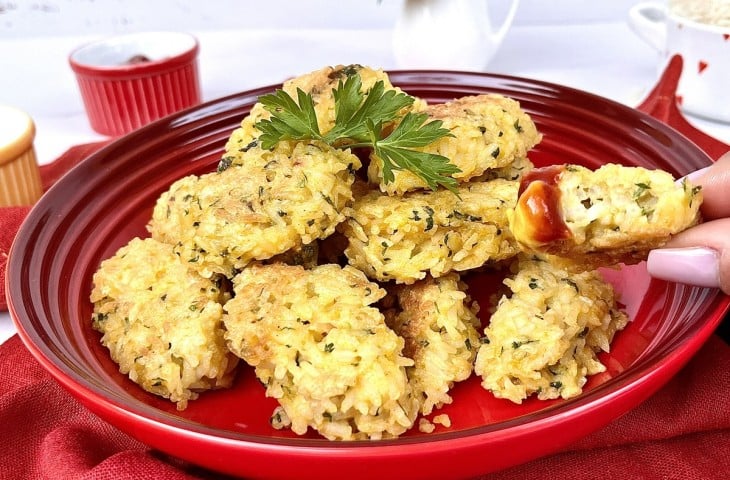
[449, 34]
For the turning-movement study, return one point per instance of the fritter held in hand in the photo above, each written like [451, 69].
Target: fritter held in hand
[611, 215]
[403, 238]
[281, 199]
[439, 324]
[162, 322]
[543, 338]
[322, 350]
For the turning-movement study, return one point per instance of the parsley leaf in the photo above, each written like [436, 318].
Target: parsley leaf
[641, 188]
[359, 121]
[396, 154]
[289, 120]
[353, 108]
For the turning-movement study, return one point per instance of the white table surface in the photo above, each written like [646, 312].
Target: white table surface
[605, 58]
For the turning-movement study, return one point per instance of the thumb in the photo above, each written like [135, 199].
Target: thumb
[698, 256]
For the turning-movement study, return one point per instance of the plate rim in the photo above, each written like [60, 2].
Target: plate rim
[594, 398]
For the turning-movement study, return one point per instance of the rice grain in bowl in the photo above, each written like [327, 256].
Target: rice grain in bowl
[710, 12]
[698, 32]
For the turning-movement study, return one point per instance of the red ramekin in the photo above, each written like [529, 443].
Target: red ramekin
[127, 81]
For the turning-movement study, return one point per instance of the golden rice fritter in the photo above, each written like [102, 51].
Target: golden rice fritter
[488, 131]
[322, 350]
[544, 337]
[513, 171]
[319, 84]
[282, 199]
[611, 215]
[438, 322]
[403, 238]
[163, 324]
[305, 255]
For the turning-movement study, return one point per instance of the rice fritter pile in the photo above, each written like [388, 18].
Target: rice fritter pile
[403, 238]
[322, 350]
[163, 324]
[543, 338]
[319, 85]
[280, 259]
[487, 132]
[439, 324]
[272, 202]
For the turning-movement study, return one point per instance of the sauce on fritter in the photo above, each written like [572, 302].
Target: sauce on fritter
[539, 205]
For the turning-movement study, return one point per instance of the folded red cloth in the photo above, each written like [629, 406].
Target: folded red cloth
[10, 220]
[682, 432]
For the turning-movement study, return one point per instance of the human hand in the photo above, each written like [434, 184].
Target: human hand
[701, 255]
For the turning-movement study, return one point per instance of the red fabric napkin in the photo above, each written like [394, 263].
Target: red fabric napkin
[682, 432]
[10, 220]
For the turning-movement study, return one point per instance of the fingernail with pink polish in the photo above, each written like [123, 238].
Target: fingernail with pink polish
[693, 266]
[693, 176]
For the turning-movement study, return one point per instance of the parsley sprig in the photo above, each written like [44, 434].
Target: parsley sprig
[360, 119]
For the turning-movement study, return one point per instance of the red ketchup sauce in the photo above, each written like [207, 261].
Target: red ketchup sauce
[539, 205]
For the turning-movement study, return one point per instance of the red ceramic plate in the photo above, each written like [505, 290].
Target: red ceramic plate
[108, 198]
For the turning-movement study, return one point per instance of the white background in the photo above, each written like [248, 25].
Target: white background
[23, 18]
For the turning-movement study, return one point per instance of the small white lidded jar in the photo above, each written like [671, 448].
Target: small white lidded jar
[20, 180]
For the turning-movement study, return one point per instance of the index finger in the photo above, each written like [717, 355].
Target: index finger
[715, 183]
